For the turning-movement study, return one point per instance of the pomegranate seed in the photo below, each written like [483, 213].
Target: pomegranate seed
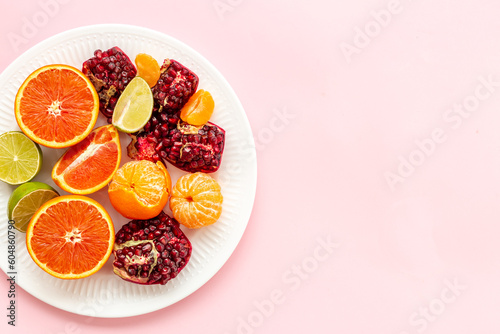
[175, 86]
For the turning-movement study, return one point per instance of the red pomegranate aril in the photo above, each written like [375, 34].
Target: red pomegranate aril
[189, 148]
[159, 247]
[147, 261]
[174, 87]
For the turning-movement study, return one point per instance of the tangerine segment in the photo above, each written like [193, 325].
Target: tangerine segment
[147, 68]
[70, 237]
[198, 109]
[196, 200]
[140, 189]
[57, 106]
[89, 165]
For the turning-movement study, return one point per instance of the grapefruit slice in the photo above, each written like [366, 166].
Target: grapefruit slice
[89, 165]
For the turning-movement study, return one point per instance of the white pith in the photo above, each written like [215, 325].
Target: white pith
[55, 108]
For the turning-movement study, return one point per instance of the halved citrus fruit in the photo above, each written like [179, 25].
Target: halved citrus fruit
[140, 189]
[196, 200]
[57, 106]
[25, 200]
[70, 236]
[89, 165]
[20, 158]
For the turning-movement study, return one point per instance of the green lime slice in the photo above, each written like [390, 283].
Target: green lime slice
[20, 158]
[134, 107]
[25, 200]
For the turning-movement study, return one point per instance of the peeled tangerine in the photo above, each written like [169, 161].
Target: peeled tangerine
[196, 200]
[140, 189]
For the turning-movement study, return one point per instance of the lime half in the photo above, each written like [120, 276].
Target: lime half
[20, 158]
[134, 107]
[25, 201]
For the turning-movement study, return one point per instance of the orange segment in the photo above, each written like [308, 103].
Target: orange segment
[147, 68]
[89, 165]
[70, 237]
[57, 106]
[198, 109]
[196, 200]
[140, 189]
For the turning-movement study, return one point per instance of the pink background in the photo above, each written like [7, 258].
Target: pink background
[341, 96]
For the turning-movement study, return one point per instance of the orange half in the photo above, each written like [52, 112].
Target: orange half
[56, 106]
[70, 237]
[89, 165]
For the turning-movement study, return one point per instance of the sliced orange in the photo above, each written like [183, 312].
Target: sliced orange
[140, 189]
[196, 200]
[89, 165]
[70, 236]
[57, 106]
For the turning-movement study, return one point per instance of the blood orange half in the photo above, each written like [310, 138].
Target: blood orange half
[57, 106]
[89, 165]
[70, 236]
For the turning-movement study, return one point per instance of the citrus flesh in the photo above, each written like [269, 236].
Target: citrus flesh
[134, 107]
[56, 106]
[198, 109]
[70, 236]
[89, 165]
[25, 200]
[20, 158]
[147, 68]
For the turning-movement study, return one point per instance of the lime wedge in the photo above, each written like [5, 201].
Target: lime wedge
[20, 158]
[134, 107]
[25, 200]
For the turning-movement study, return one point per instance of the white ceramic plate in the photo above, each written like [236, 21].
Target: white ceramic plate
[105, 294]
